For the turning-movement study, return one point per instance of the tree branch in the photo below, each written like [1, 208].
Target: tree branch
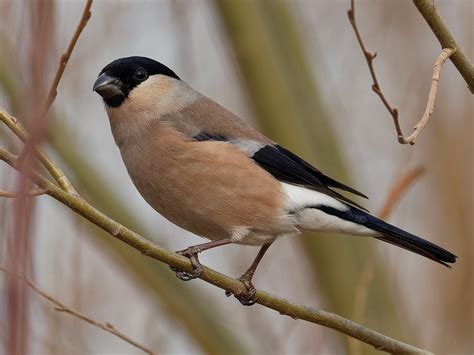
[86, 14]
[369, 57]
[462, 63]
[444, 55]
[146, 247]
[15, 126]
[60, 307]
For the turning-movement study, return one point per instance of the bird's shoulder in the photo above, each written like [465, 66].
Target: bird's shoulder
[206, 115]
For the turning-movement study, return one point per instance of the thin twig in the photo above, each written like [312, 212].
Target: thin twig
[445, 54]
[462, 63]
[369, 57]
[32, 193]
[86, 14]
[15, 126]
[236, 287]
[60, 307]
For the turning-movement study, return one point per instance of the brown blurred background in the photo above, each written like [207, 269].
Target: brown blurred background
[293, 69]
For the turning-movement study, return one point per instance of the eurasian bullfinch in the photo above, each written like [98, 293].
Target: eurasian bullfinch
[209, 172]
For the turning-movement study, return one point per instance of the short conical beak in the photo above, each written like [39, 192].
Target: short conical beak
[108, 86]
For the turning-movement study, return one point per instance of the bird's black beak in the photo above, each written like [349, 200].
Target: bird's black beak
[108, 86]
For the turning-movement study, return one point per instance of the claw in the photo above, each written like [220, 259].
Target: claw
[197, 267]
[187, 276]
[247, 298]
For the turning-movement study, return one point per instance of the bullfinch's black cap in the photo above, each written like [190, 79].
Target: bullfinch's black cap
[119, 77]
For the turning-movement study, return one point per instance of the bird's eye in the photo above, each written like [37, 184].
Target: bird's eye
[141, 74]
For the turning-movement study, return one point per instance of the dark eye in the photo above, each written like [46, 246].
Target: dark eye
[141, 74]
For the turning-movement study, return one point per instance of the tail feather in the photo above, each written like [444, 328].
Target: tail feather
[427, 249]
[394, 235]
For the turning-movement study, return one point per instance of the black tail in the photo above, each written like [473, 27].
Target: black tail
[394, 235]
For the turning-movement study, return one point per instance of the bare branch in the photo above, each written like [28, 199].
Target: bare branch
[462, 63]
[369, 57]
[445, 54]
[86, 14]
[15, 126]
[236, 287]
[32, 193]
[60, 307]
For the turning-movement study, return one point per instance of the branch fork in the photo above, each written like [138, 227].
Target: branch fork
[446, 53]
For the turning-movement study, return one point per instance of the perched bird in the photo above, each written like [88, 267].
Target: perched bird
[209, 172]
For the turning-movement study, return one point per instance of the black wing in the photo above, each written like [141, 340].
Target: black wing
[317, 173]
[288, 167]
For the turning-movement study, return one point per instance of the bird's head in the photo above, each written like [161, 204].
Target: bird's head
[134, 76]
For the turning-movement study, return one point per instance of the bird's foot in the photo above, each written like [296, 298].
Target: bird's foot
[192, 254]
[247, 298]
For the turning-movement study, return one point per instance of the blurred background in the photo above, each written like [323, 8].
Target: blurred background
[294, 70]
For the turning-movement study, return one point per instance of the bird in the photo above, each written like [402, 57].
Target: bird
[211, 173]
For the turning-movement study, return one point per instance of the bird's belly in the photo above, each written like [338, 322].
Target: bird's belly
[213, 199]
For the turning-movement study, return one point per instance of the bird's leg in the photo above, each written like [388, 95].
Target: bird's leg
[248, 298]
[192, 254]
